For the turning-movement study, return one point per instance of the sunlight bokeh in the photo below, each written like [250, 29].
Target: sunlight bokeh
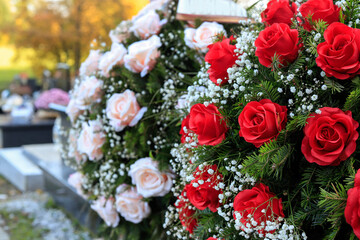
[134, 6]
[13, 61]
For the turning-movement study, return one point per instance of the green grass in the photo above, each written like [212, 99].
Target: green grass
[20, 226]
[7, 75]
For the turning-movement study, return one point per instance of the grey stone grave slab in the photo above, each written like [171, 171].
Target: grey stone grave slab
[47, 157]
[19, 170]
[3, 235]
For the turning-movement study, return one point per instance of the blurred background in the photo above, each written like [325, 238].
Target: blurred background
[42, 44]
[43, 39]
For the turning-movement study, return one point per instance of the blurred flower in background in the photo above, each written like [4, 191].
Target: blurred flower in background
[54, 95]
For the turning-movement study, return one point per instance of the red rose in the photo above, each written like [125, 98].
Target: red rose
[277, 39]
[260, 203]
[207, 123]
[220, 56]
[278, 11]
[262, 121]
[330, 137]
[186, 213]
[201, 191]
[212, 238]
[352, 209]
[203, 196]
[320, 10]
[339, 55]
[186, 216]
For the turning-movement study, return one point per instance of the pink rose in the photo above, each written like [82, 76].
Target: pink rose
[121, 32]
[142, 55]
[91, 140]
[203, 36]
[112, 58]
[147, 25]
[73, 110]
[130, 204]
[76, 180]
[123, 110]
[149, 180]
[73, 151]
[106, 210]
[90, 65]
[89, 92]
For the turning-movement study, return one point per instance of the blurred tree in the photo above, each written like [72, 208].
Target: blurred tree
[5, 17]
[4, 11]
[62, 30]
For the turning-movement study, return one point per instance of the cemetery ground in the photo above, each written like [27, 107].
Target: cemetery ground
[34, 216]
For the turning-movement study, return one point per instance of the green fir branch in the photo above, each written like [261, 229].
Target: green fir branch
[299, 63]
[269, 90]
[312, 213]
[207, 221]
[298, 122]
[341, 16]
[333, 85]
[332, 234]
[320, 26]
[335, 199]
[356, 82]
[353, 101]
[334, 203]
[351, 12]
[270, 160]
[312, 46]
[325, 176]
[276, 64]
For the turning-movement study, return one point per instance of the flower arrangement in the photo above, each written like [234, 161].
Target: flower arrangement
[269, 135]
[267, 147]
[124, 110]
